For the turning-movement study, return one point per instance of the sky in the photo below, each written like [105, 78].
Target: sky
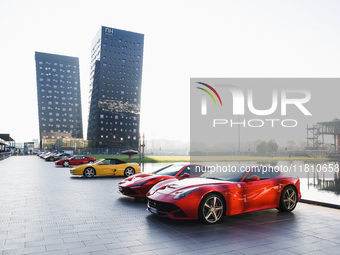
[183, 39]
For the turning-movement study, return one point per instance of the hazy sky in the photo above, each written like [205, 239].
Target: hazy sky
[183, 39]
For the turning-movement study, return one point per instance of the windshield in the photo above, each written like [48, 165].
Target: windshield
[234, 175]
[98, 161]
[170, 170]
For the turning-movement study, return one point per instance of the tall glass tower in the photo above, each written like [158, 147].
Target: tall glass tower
[59, 104]
[115, 89]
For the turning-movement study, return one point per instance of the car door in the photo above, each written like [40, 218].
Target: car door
[104, 168]
[262, 193]
[118, 167]
[77, 160]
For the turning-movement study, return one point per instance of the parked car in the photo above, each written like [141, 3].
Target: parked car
[216, 194]
[75, 160]
[139, 184]
[108, 166]
[57, 156]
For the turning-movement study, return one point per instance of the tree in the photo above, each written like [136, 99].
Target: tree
[272, 146]
[290, 144]
[262, 147]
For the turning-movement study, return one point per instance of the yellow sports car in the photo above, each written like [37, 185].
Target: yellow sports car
[108, 166]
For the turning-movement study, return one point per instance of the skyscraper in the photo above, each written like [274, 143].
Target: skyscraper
[59, 104]
[115, 89]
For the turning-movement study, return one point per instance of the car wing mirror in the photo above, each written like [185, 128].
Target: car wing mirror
[185, 175]
[253, 178]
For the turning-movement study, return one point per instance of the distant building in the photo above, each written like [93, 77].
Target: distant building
[59, 103]
[115, 89]
[7, 143]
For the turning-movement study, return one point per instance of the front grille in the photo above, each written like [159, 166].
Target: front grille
[129, 192]
[163, 207]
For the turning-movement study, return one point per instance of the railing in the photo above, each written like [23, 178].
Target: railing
[4, 155]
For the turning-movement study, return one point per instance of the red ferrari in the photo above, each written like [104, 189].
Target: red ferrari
[139, 184]
[75, 160]
[216, 194]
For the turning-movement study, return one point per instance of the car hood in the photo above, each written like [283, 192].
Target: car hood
[175, 185]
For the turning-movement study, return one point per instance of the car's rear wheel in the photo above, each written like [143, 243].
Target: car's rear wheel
[211, 209]
[289, 199]
[51, 159]
[89, 172]
[66, 163]
[90, 162]
[129, 171]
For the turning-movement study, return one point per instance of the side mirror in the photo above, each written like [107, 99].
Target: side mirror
[101, 163]
[185, 175]
[253, 178]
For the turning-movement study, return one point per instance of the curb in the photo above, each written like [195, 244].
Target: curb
[312, 202]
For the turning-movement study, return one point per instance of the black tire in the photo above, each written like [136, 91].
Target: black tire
[289, 199]
[89, 172]
[211, 209]
[129, 171]
[66, 163]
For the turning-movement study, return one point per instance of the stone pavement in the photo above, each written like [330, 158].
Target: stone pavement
[43, 210]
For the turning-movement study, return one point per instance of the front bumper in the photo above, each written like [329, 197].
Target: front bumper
[165, 210]
[131, 192]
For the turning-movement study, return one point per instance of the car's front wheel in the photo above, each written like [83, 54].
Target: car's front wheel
[129, 171]
[288, 200]
[66, 163]
[89, 172]
[211, 209]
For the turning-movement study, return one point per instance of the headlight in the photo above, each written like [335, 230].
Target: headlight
[142, 183]
[152, 190]
[184, 193]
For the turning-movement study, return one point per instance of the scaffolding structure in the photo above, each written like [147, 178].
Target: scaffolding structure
[316, 134]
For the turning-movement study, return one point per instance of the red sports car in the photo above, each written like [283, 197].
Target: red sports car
[75, 160]
[139, 184]
[216, 194]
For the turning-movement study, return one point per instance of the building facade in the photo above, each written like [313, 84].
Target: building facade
[115, 89]
[59, 102]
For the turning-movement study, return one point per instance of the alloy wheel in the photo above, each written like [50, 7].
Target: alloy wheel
[289, 199]
[212, 209]
[129, 171]
[89, 172]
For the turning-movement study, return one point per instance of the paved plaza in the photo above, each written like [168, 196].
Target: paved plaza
[43, 210]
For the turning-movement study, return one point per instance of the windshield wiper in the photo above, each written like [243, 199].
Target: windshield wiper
[214, 178]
